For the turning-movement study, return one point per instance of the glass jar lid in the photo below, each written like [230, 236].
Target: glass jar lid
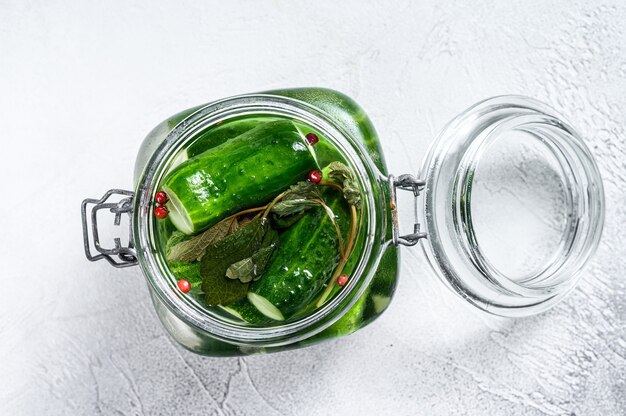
[512, 206]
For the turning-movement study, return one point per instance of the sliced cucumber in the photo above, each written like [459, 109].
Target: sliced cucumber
[245, 311]
[265, 307]
[179, 159]
[177, 213]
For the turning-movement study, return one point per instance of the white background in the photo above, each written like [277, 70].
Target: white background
[82, 82]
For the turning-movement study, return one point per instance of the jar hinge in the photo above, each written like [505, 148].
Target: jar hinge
[126, 255]
[406, 183]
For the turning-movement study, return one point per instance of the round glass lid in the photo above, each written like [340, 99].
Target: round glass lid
[513, 206]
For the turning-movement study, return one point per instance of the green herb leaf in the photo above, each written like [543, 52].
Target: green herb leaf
[261, 259]
[242, 270]
[292, 206]
[270, 237]
[303, 190]
[234, 225]
[344, 175]
[252, 268]
[194, 248]
[220, 255]
[300, 197]
[174, 239]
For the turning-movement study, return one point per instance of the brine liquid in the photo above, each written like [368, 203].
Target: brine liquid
[212, 137]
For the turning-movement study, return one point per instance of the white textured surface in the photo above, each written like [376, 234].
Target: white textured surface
[82, 82]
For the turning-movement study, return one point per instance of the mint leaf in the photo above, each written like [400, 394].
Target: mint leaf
[303, 190]
[270, 237]
[194, 248]
[300, 197]
[174, 239]
[343, 174]
[220, 255]
[252, 268]
[292, 206]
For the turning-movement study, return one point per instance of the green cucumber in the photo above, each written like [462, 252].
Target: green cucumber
[266, 307]
[220, 133]
[246, 312]
[216, 135]
[307, 255]
[246, 171]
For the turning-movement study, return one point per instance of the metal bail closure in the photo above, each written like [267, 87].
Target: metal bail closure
[126, 256]
[405, 183]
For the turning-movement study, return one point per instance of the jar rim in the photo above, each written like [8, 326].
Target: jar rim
[452, 247]
[162, 281]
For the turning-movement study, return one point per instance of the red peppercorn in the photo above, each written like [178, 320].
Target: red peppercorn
[184, 285]
[312, 138]
[161, 198]
[315, 176]
[161, 212]
[342, 280]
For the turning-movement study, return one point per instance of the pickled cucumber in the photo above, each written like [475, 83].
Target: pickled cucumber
[307, 255]
[243, 172]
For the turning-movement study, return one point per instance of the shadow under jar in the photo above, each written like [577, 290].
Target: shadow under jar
[505, 162]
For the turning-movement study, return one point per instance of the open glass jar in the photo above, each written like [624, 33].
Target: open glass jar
[448, 221]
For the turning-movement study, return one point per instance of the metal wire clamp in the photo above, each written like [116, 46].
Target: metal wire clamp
[405, 183]
[126, 256]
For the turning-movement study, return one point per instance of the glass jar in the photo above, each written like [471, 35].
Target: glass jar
[445, 221]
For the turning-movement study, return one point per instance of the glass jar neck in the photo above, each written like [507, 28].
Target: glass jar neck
[374, 221]
[450, 172]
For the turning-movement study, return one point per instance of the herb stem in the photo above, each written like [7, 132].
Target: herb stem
[271, 204]
[267, 208]
[247, 211]
[332, 185]
[344, 258]
[331, 215]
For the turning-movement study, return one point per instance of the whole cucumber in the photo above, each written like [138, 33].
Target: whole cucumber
[241, 173]
[307, 255]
